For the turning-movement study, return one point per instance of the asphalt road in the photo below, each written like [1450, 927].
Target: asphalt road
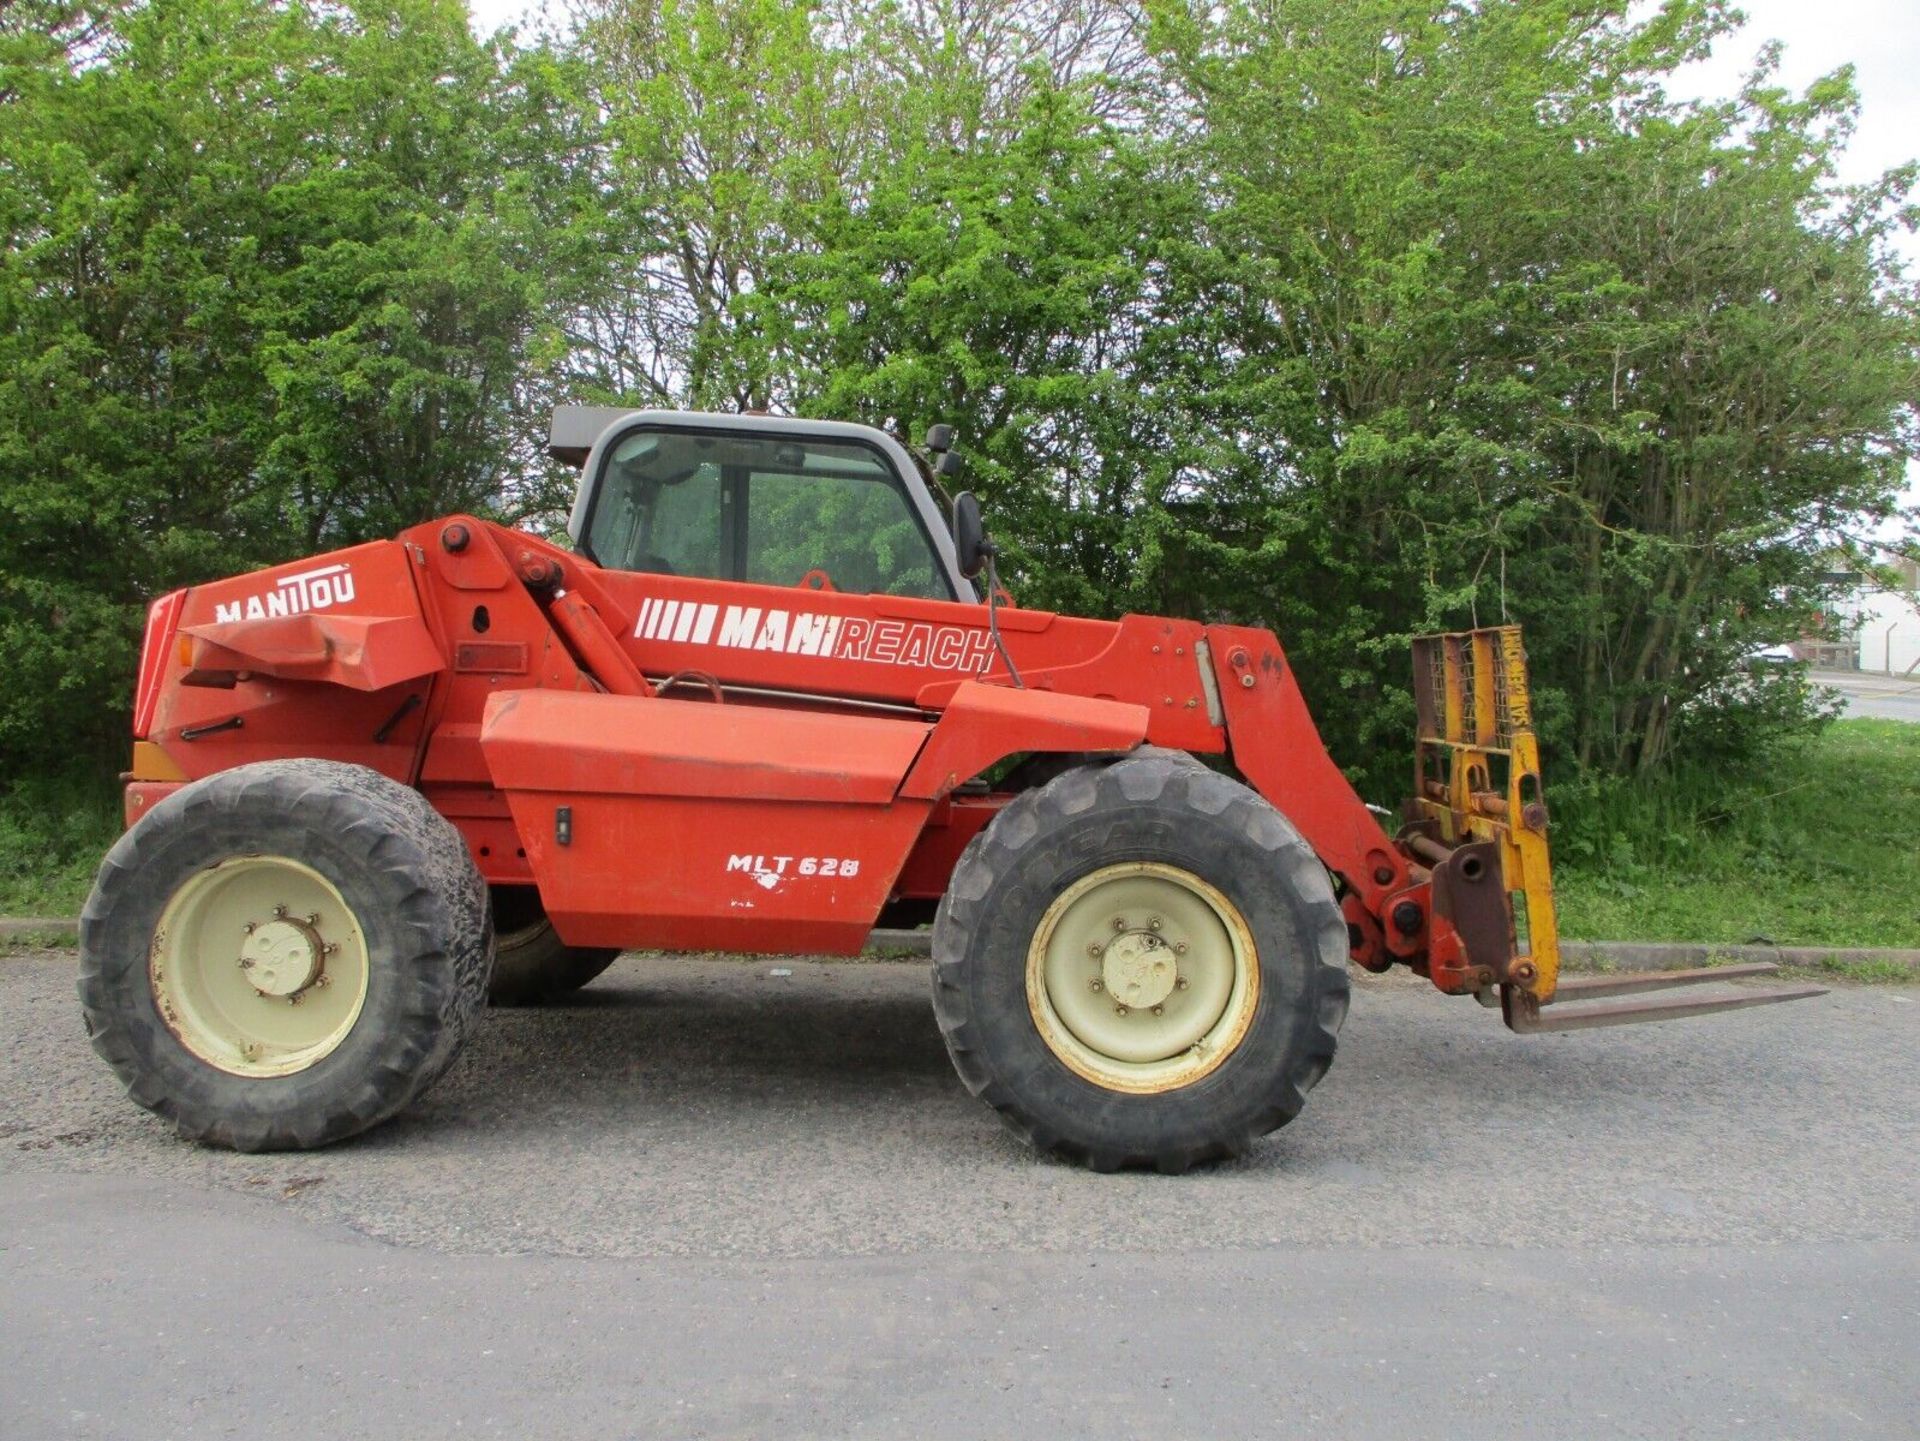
[705, 1200]
[1889, 697]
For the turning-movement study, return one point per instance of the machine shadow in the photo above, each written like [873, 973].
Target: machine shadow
[707, 1040]
[851, 1056]
[851, 1052]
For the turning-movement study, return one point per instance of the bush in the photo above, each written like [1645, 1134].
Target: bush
[53, 832]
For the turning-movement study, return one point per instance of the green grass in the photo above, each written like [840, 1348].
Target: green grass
[52, 835]
[48, 940]
[1816, 848]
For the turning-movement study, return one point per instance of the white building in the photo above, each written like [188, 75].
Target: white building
[1885, 624]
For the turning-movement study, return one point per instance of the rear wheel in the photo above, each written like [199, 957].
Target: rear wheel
[284, 954]
[532, 962]
[1141, 964]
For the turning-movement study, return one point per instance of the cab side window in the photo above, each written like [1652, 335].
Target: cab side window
[685, 536]
[852, 525]
[770, 509]
[649, 518]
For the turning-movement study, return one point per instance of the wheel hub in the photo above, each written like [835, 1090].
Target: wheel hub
[282, 957]
[243, 974]
[1139, 969]
[1142, 977]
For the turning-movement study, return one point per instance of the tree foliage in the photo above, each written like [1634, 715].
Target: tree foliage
[1503, 332]
[273, 279]
[1355, 318]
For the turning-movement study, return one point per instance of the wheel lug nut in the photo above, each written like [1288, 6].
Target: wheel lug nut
[1093, 949]
[313, 918]
[1181, 983]
[322, 981]
[1179, 948]
[1154, 924]
[280, 912]
[1095, 985]
[249, 928]
[1120, 1010]
[1159, 1010]
[246, 963]
[1119, 923]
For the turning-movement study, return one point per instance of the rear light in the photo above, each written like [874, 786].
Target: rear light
[162, 617]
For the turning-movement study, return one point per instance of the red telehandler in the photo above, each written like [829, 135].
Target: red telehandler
[760, 705]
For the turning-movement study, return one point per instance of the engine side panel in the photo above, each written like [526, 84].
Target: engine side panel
[685, 825]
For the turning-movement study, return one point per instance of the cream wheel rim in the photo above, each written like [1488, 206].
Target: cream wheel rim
[258, 966]
[1141, 977]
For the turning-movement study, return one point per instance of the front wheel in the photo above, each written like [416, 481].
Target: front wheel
[1141, 964]
[284, 954]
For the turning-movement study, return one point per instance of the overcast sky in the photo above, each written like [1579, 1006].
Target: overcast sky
[1879, 38]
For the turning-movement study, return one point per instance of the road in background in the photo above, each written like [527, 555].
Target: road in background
[1888, 697]
[709, 1199]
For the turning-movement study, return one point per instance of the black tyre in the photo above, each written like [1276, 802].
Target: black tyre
[1140, 964]
[531, 963]
[1036, 770]
[284, 954]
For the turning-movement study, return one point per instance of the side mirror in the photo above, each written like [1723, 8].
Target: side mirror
[969, 534]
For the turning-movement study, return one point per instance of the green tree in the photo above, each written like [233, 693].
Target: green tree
[727, 123]
[1009, 289]
[1740, 398]
[1494, 329]
[273, 279]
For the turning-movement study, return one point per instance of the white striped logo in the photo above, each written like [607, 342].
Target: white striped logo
[963, 648]
[677, 620]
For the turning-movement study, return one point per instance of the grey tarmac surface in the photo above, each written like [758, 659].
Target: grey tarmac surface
[1866, 694]
[704, 1200]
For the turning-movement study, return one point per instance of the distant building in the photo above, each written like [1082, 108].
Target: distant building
[1881, 626]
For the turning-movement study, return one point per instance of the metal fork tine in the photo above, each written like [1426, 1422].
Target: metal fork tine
[1585, 988]
[1627, 1013]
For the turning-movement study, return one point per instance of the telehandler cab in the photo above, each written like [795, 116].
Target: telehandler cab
[760, 705]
